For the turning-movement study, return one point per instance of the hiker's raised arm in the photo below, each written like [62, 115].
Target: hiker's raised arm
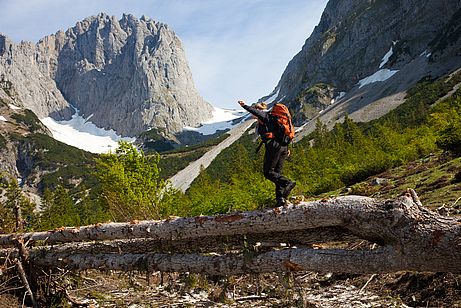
[262, 115]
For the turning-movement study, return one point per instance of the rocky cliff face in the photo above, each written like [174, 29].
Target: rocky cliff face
[350, 43]
[15, 123]
[129, 75]
[25, 84]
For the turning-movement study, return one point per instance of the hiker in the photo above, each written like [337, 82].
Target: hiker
[276, 143]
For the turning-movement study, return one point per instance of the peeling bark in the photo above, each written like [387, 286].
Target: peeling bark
[307, 216]
[411, 238]
[301, 259]
[221, 244]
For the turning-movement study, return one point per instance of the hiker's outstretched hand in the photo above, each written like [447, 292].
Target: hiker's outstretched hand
[241, 103]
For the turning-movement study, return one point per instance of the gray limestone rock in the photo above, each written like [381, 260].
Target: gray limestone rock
[353, 36]
[128, 75]
[26, 84]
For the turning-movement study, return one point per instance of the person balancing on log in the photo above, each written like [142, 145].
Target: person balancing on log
[276, 131]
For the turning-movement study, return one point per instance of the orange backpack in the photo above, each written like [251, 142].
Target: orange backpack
[284, 131]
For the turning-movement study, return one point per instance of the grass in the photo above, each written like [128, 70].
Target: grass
[436, 179]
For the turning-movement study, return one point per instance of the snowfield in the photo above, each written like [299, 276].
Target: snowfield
[222, 119]
[273, 97]
[386, 57]
[82, 134]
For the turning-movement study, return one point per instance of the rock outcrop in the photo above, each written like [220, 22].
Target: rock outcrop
[356, 38]
[129, 75]
[22, 81]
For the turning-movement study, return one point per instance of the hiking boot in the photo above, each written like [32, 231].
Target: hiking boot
[280, 202]
[287, 189]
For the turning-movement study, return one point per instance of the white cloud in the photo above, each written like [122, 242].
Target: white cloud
[236, 48]
[247, 61]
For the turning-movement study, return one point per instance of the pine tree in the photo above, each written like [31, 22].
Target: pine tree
[58, 210]
[320, 134]
[17, 211]
[447, 121]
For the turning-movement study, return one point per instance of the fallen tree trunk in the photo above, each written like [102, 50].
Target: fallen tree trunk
[412, 238]
[381, 260]
[221, 244]
[256, 222]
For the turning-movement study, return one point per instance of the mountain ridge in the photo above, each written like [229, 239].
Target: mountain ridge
[351, 42]
[129, 75]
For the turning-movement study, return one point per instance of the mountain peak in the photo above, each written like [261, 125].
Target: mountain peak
[129, 75]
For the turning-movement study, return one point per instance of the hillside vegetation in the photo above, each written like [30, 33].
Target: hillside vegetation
[420, 139]
[330, 160]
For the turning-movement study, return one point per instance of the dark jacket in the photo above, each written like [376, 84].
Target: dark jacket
[263, 116]
[262, 127]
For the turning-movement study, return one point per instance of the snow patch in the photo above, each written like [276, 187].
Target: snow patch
[380, 75]
[341, 95]
[386, 57]
[85, 135]
[14, 107]
[426, 54]
[337, 98]
[2, 118]
[221, 120]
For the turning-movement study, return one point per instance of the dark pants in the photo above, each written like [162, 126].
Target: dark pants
[274, 158]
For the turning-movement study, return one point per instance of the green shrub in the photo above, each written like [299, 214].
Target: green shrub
[446, 120]
[130, 185]
[450, 139]
[29, 119]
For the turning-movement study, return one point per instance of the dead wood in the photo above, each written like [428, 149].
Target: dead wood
[25, 282]
[410, 238]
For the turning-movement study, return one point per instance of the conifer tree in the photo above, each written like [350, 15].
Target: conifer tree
[58, 210]
[320, 134]
[16, 212]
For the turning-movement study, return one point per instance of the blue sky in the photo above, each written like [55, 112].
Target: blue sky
[237, 49]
